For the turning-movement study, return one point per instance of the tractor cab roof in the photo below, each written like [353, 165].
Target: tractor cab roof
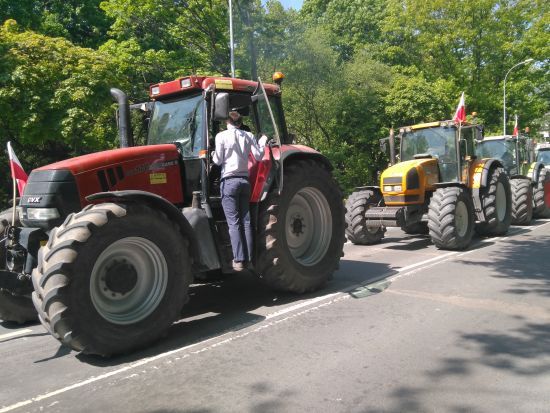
[193, 84]
[444, 123]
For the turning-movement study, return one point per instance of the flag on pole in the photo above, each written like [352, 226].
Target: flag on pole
[17, 171]
[460, 114]
[516, 130]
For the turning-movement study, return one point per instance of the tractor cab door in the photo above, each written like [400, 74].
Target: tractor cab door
[182, 121]
[468, 136]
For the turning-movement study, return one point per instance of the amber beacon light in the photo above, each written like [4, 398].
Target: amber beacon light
[278, 77]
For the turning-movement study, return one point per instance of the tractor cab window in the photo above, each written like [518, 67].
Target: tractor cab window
[502, 149]
[264, 119]
[180, 121]
[467, 142]
[544, 157]
[439, 142]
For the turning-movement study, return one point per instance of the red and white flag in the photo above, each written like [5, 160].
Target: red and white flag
[516, 129]
[460, 114]
[17, 171]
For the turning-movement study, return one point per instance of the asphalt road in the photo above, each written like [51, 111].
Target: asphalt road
[403, 327]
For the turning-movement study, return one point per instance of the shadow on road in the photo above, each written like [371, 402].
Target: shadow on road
[522, 352]
[517, 261]
[231, 304]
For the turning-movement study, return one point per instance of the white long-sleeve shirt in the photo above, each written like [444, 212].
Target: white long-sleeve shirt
[233, 147]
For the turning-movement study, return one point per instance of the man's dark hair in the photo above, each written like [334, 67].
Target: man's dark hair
[235, 118]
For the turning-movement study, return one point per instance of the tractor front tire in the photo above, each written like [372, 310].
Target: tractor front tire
[541, 195]
[357, 205]
[496, 201]
[522, 201]
[13, 307]
[451, 218]
[112, 278]
[301, 232]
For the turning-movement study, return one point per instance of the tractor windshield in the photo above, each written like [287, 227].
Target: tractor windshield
[179, 121]
[544, 157]
[438, 142]
[502, 149]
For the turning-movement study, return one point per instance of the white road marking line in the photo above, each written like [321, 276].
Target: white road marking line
[15, 333]
[231, 336]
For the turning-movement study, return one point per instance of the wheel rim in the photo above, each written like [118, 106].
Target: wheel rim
[461, 218]
[501, 202]
[128, 280]
[308, 226]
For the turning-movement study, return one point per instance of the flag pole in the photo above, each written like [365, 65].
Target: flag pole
[14, 201]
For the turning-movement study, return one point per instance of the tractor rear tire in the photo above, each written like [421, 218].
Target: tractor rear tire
[301, 232]
[357, 205]
[451, 218]
[522, 201]
[14, 308]
[112, 278]
[496, 201]
[541, 195]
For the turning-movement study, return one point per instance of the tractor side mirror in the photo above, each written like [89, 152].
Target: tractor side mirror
[221, 106]
[384, 145]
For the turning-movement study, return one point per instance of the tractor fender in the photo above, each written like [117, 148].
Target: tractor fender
[371, 187]
[266, 177]
[487, 166]
[534, 171]
[479, 180]
[157, 202]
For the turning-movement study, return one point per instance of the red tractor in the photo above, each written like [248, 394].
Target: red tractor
[108, 243]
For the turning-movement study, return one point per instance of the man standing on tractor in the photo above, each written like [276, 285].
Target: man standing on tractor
[233, 147]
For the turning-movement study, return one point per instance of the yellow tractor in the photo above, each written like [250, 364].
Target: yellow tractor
[436, 185]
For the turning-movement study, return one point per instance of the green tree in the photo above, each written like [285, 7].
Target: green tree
[54, 97]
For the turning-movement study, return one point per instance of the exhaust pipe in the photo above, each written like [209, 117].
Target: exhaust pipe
[392, 147]
[124, 129]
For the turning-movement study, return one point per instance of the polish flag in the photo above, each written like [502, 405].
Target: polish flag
[17, 171]
[516, 130]
[460, 114]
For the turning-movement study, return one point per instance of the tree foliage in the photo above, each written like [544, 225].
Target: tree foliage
[354, 68]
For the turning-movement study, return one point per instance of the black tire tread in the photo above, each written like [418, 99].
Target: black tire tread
[52, 277]
[279, 271]
[522, 201]
[357, 205]
[492, 226]
[441, 219]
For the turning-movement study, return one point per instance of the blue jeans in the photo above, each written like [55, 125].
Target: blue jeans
[235, 202]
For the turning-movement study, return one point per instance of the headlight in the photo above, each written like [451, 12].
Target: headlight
[393, 188]
[42, 214]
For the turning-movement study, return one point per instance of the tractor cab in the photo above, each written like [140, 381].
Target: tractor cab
[515, 152]
[451, 146]
[190, 111]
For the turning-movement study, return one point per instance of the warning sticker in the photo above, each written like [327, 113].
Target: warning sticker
[157, 178]
[223, 84]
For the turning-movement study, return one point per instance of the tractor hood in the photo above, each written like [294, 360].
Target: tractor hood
[56, 190]
[115, 157]
[406, 182]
